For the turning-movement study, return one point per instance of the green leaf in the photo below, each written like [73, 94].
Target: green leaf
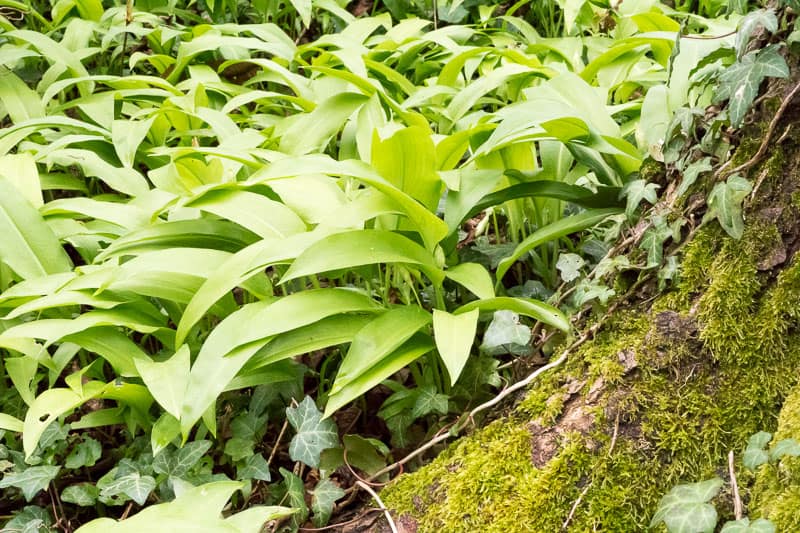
[505, 334]
[569, 265]
[368, 455]
[32, 519]
[81, 494]
[323, 499]
[310, 132]
[725, 204]
[454, 335]
[196, 509]
[637, 190]
[362, 247]
[761, 525]
[785, 448]
[48, 406]
[741, 81]
[254, 467]
[429, 401]
[553, 231]
[764, 18]
[314, 434]
[134, 485]
[167, 381]
[177, 463]
[474, 277]
[31, 480]
[85, 453]
[684, 508]
[20, 101]
[28, 245]
[524, 306]
[415, 347]
[9, 423]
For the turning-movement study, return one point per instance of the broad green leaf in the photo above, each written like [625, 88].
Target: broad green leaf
[47, 407]
[20, 170]
[264, 217]
[377, 340]
[725, 204]
[365, 454]
[198, 509]
[166, 429]
[112, 345]
[407, 159]
[473, 277]
[9, 423]
[31, 480]
[414, 348]
[242, 334]
[505, 334]
[454, 335]
[85, 453]
[123, 179]
[127, 136]
[313, 433]
[28, 245]
[167, 380]
[553, 231]
[362, 247]
[324, 497]
[311, 132]
[761, 525]
[20, 101]
[523, 306]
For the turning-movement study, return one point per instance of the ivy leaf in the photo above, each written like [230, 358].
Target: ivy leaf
[86, 453]
[744, 525]
[429, 401]
[637, 190]
[31, 480]
[505, 334]
[313, 433]
[254, 467]
[653, 241]
[785, 447]
[324, 497]
[690, 174]
[31, 519]
[764, 18]
[178, 463]
[569, 265]
[296, 495]
[134, 485]
[755, 454]
[725, 203]
[740, 82]
[685, 509]
[82, 494]
[237, 449]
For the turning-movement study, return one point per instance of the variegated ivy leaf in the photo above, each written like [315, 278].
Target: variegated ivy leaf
[725, 203]
[429, 401]
[323, 499]
[254, 467]
[313, 433]
[764, 18]
[177, 463]
[744, 525]
[31, 480]
[134, 485]
[82, 494]
[569, 265]
[685, 509]
[637, 190]
[740, 82]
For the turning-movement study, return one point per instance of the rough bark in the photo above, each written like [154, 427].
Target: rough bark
[667, 387]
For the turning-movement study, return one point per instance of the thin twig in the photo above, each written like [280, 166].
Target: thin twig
[380, 504]
[737, 500]
[277, 442]
[575, 506]
[762, 150]
[342, 524]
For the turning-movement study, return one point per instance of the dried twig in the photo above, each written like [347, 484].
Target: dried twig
[277, 442]
[380, 504]
[575, 506]
[342, 524]
[737, 500]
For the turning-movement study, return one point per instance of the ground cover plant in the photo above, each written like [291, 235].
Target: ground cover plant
[260, 251]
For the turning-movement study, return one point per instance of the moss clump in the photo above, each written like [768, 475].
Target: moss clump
[777, 491]
[680, 386]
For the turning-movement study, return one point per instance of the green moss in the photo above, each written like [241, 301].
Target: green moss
[777, 492]
[713, 360]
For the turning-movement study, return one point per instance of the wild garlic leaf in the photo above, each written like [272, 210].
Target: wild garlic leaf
[313, 433]
[740, 82]
[323, 499]
[31, 480]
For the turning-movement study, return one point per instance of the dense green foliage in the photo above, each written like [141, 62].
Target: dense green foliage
[223, 219]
